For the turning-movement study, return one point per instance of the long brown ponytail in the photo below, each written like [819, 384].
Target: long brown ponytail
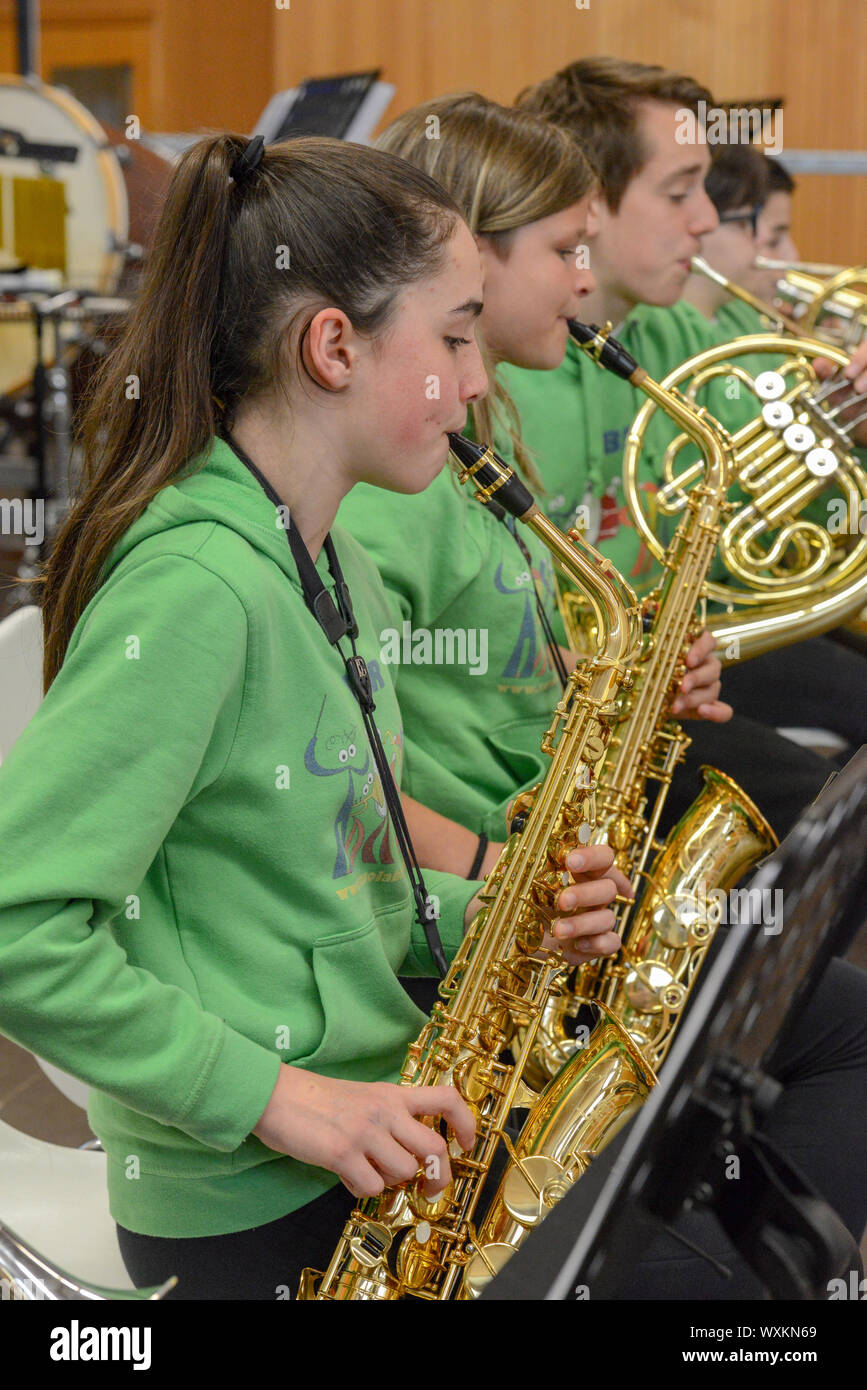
[232, 269]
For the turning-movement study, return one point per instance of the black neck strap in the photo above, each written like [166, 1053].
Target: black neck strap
[553, 645]
[338, 621]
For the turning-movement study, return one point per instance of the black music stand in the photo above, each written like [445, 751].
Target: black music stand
[713, 1090]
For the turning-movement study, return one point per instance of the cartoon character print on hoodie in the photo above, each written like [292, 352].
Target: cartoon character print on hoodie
[341, 748]
[530, 655]
[371, 804]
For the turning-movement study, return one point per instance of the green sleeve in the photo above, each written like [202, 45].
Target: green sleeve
[452, 895]
[87, 796]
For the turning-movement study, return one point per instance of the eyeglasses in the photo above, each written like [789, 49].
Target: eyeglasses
[752, 217]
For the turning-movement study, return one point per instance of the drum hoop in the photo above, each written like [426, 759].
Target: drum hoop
[117, 202]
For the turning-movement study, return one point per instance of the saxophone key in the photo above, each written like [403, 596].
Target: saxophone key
[485, 1262]
[419, 1257]
[529, 931]
[650, 988]
[474, 1080]
[532, 1187]
[370, 1243]
[594, 747]
[430, 1208]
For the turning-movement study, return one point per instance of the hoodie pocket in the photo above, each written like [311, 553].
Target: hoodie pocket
[369, 1018]
[518, 747]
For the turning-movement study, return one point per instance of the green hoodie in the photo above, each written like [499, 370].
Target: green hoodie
[734, 318]
[198, 878]
[476, 683]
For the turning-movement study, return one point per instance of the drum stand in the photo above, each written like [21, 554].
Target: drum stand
[46, 469]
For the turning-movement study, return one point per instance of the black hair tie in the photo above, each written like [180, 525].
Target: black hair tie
[248, 160]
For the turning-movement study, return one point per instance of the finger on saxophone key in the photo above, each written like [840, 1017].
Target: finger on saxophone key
[590, 860]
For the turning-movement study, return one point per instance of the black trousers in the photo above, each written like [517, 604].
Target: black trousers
[779, 776]
[817, 683]
[818, 1121]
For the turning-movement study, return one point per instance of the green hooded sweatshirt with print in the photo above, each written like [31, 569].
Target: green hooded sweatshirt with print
[476, 679]
[199, 880]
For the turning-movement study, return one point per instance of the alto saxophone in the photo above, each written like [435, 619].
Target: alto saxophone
[400, 1243]
[583, 1091]
[666, 937]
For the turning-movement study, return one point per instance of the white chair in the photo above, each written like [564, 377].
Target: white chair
[820, 740]
[56, 1200]
[69, 1086]
[20, 673]
[20, 698]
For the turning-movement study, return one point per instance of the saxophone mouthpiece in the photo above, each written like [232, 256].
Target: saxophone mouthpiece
[496, 481]
[606, 350]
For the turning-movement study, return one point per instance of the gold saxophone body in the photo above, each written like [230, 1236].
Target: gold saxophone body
[665, 938]
[646, 986]
[400, 1244]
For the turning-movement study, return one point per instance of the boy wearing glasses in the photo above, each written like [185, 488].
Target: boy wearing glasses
[774, 229]
[737, 186]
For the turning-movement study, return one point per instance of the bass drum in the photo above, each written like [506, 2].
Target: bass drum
[67, 203]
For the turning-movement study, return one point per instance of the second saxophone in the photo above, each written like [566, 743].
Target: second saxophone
[400, 1244]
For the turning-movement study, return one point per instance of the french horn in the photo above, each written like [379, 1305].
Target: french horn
[26, 1276]
[825, 301]
[787, 571]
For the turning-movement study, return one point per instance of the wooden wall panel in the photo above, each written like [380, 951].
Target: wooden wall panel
[196, 63]
[201, 64]
[93, 32]
[218, 63]
[814, 55]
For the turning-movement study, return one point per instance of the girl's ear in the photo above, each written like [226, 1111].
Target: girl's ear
[329, 349]
[594, 208]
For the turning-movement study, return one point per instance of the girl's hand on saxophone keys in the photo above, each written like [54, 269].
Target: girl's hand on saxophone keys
[365, 1132]
[700, 686]
[585, 929]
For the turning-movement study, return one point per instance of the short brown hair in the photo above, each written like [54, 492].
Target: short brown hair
[738, 177]
[779, 178]
[598, 100]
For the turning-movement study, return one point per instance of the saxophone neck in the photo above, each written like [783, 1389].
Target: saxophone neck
[614, 602]
[708, 434]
